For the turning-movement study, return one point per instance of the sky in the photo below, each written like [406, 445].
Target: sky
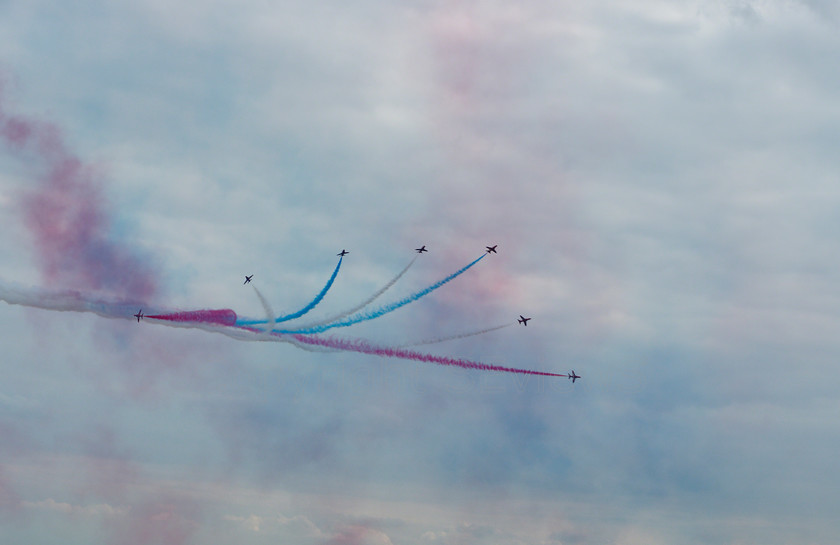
[659, 176]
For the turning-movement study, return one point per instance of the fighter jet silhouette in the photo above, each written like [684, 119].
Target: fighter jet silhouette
[247, 279]
[572, 376]
[139, 315]
[342, 253]
[421, 249]
[491, 249]
[523, 320]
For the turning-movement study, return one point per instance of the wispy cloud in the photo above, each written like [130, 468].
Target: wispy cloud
[298, 525]
[98, 510]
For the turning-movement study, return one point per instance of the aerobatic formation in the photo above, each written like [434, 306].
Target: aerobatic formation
[65, 212]
[308, 335]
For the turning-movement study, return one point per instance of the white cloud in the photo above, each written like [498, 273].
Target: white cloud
[292, 526]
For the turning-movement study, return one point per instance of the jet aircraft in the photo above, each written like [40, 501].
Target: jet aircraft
[421, 249]
[139, 315]
[342, 253]
[523, 320]
[572, 376]
[491, 249]
[247, 279]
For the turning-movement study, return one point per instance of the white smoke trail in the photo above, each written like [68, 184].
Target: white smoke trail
[66, 301]
[453, 337]
[269, 314]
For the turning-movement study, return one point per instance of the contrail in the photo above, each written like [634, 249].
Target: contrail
[364, 303]
[361, 317]
[453, 337]
[305, 309]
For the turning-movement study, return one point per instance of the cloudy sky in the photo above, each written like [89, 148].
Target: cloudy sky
[659, 177]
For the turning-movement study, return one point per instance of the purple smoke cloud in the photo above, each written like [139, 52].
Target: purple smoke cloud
[66, 213]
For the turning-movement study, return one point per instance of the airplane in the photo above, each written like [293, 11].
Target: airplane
[139, 315]
[572, 376]
[247, 279]
[421, 249]
[523, 320]
[491, 249]
[342, 253]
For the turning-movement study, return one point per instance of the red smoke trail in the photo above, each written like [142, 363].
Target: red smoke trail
[358, 345]
[66, 214]
[223, 316]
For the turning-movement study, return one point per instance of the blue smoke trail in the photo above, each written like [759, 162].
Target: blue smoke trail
[363, 304]
[305, 309]
[370, 315]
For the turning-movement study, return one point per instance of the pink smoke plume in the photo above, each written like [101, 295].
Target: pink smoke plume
[223, 316]
[9, 500]
[358, 534]
[66, 212]
[157, 522]
[145, 510]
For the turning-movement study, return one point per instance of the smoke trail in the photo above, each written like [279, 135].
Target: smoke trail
[65, 211]
[364, 303]
[305, 309]
[213, 321]
[224, 317]
[265, 333]
[269, 313]
[364, 347]
[223, 320]
[453, 337]
[361, 317]
[67, 301]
